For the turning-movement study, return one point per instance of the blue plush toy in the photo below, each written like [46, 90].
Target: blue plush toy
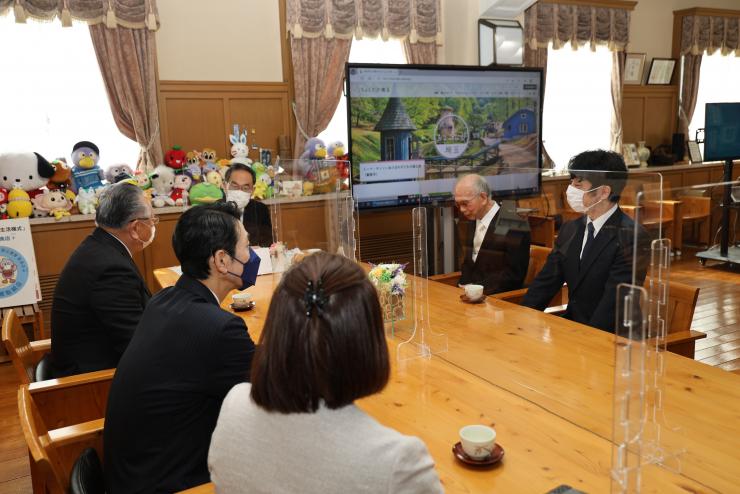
[86, 172]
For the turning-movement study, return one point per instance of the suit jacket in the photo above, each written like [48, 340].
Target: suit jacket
[257, 222]
[98, 302]
[502, 261]
[329, 451]
[167, 391]
[592, 281]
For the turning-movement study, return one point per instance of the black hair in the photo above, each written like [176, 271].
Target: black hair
[203, 230]
[334, 353]
[240, 166]
[600, 167]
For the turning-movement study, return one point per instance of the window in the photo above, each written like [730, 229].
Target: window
[362, 51]
[577, 109]
[717, 84]
[53, 96]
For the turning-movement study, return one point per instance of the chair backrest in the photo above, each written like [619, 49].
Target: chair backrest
[18, 347]
[46, 459]
[681, 305]
[537, 259]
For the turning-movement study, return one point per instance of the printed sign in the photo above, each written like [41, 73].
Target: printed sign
[19, 280]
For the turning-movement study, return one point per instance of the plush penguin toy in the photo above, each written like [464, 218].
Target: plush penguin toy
[87, 174]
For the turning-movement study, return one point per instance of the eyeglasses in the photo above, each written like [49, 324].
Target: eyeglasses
[465, 202]
[236, 186]
[154, 219]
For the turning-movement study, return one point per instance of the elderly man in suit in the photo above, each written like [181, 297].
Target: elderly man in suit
[187, 353]
[496, 250]
[595, 253]
[100, 295]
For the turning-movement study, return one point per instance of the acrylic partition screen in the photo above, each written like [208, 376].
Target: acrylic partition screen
[311, 210]
[697, 224]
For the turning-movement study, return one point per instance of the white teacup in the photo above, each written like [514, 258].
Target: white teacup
[474, 292]
[477, 441]
[241, 300]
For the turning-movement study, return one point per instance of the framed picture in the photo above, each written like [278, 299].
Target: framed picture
[694, 152]
[661, 70]
[629, 152]
[634, 64]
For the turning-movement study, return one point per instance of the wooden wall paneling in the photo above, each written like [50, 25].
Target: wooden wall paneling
[649, 113]
[194, 121]
[265, 115]
[633, 124]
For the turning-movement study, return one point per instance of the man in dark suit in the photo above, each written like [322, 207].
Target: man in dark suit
[496, 247]
[595, 253]
[186, 354]
[239, 187]
[100, 295]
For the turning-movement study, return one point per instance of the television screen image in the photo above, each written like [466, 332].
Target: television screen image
[414, 129]
[722, 132]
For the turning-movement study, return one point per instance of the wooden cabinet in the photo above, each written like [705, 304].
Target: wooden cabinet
[649, 113]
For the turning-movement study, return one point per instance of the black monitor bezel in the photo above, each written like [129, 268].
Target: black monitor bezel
[707, 155]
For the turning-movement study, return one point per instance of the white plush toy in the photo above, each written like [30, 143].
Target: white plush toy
[163, 181]
[87, 200]
[239, 149]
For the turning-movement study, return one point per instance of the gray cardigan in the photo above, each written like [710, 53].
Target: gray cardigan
[330, 451]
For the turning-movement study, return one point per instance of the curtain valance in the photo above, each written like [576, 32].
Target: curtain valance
[710, 33]
[133, 14]
[577, 24]
[415, 20]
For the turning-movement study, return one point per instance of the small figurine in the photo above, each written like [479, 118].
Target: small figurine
[208, 160]
[54, 203]
[215, 178]
[163, 180]
[205, 193]
[239, 149]
[180, 189]
[86, 172]
[19, 204]
[175, 158]
[27, 171]
[117, 173]
[62, 178]
[3, 204]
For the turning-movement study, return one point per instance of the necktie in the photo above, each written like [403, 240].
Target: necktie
[480, 233]
[589, 240]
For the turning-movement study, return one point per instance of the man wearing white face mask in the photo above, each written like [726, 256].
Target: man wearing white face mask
[238, 187]
[100, 295]
[594, 253]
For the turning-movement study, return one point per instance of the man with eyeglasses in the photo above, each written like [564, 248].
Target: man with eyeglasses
[495, 256]
[238, 188]
[101, 295]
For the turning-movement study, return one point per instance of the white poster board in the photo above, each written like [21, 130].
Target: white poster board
[19, 279]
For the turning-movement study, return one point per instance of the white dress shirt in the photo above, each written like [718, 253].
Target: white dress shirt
[121, 242]
[598, 223]
[481, 227]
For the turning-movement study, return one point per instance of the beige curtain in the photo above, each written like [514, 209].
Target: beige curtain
[318, 71]
[700, 33]
[127, 59]
[618, 60]
[420, 53]
[415, 20]
[689, 92]
[133, 14]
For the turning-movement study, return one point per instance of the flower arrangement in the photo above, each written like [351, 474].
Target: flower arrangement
[389, 278]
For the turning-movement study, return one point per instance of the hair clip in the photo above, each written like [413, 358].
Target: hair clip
[314, 298]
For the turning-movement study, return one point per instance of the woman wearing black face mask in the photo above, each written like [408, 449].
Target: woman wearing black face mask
[186, 354]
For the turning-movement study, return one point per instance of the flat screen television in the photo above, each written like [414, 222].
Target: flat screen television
[722, 132]
[413, 129]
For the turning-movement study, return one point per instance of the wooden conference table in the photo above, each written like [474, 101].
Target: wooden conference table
[546, 385]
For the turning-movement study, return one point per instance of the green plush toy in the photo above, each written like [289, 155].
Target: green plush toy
[205, 193]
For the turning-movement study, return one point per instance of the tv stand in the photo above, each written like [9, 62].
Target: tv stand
[724, 252]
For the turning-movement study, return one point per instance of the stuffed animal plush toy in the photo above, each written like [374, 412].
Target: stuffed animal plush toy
[26, 171]
[215, 178]
[205, 193]
[86, 200]
[62, 178]
[54, 203]
[163, 180]
[208, 160]
[117, 173]
[175, 158]
[239, 149]
[314, 149]
[19, 204]
[3, 204]
[223, 167]
[86, 172]
[263, 186]
[336, 151]
[179, 192]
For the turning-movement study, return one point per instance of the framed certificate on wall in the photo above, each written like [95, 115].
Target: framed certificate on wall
[661, 71]
[634, 64]
[694, 152]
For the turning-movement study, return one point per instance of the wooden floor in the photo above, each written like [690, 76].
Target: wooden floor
[717, 314]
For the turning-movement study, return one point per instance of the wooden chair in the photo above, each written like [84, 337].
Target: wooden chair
[682, 299]
[60, 418]
[24, 354]
[694, 210]
[644, 203]
[542, 219]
